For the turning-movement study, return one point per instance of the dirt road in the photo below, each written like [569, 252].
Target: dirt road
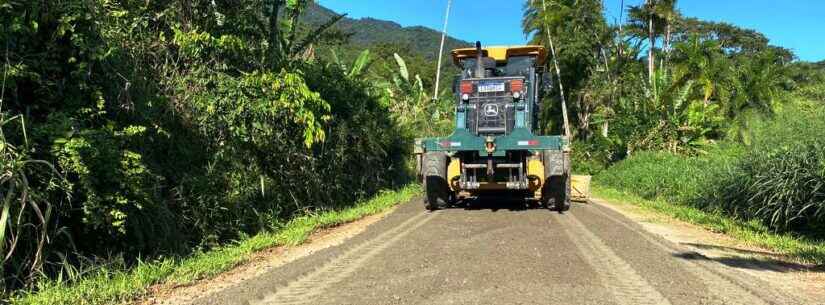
[501, 254]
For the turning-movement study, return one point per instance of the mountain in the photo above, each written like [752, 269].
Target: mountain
[368, 32]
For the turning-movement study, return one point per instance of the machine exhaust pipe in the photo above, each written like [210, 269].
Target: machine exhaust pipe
[479, 64]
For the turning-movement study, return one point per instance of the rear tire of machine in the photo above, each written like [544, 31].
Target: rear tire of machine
[565, 198]
[435, 180]
[559, 193]
[563, 201]
[568, 177]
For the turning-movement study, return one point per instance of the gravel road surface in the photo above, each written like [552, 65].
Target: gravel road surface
[496, 252]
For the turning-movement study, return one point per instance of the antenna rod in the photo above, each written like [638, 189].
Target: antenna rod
[441, 49]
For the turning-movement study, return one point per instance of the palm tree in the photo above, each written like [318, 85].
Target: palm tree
[699, 61]
[668, 14]
[573, 31]
[653, 18]
[761, 79]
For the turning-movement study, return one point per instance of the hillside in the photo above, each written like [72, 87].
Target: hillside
[368, 32]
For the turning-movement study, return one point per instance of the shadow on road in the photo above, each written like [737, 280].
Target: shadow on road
[754, 263]
[496, 203]
[730, 249]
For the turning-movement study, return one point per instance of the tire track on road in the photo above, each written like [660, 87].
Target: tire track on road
[730, 287]
[312, 285]
[623, 282]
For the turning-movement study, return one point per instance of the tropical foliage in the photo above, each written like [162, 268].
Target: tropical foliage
[694, 112]
[131, 130]
[660, 80]
[776, 179]
[136, 130]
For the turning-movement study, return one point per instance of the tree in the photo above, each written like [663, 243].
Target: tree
[580, 33]
[654, 18]
[700, 61]
[176, 124]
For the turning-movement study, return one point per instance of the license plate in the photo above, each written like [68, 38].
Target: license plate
[491, 87]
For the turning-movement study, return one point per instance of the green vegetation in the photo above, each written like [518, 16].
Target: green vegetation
[810, 80]
[666, 175]
[112, 285]
[660, 81]
[776, 178]
[141, 141]
[137, 138]
[706, 116]
[781, 179]
[370, 32]
[417, 45]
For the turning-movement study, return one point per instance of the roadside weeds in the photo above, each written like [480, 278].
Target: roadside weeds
[121, 286]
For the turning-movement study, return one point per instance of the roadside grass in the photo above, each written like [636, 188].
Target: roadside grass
[800, 249]
[774, 174]
[112, 286]
[666, 175]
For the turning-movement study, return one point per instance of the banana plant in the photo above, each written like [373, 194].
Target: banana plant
[678, 120]
[360, 66]
[411, 105]
[407, 94]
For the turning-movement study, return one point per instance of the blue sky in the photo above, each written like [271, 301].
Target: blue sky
[795, 24]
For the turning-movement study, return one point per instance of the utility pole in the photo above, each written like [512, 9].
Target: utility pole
[651, 61]
[558, 72]
[620, 52]
[441, 49]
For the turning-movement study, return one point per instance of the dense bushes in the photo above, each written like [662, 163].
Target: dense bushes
[809, 80]
[593, 156]
[165, 127]
[776, 177]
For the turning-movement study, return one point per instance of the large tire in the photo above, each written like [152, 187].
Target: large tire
[434, 172]
[557, 188]
[563, 202]
[560, 193]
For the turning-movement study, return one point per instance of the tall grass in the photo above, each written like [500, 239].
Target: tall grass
[26, 213]
[785, 188]
[781, 178]
[669, 176]
[775, 175]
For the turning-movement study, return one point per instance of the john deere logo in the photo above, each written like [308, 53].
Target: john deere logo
[490, 110]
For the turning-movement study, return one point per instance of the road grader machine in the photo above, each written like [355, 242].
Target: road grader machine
[495, 147]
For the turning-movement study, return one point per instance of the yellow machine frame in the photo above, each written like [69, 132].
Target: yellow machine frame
[501, 53]
[535, 171]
